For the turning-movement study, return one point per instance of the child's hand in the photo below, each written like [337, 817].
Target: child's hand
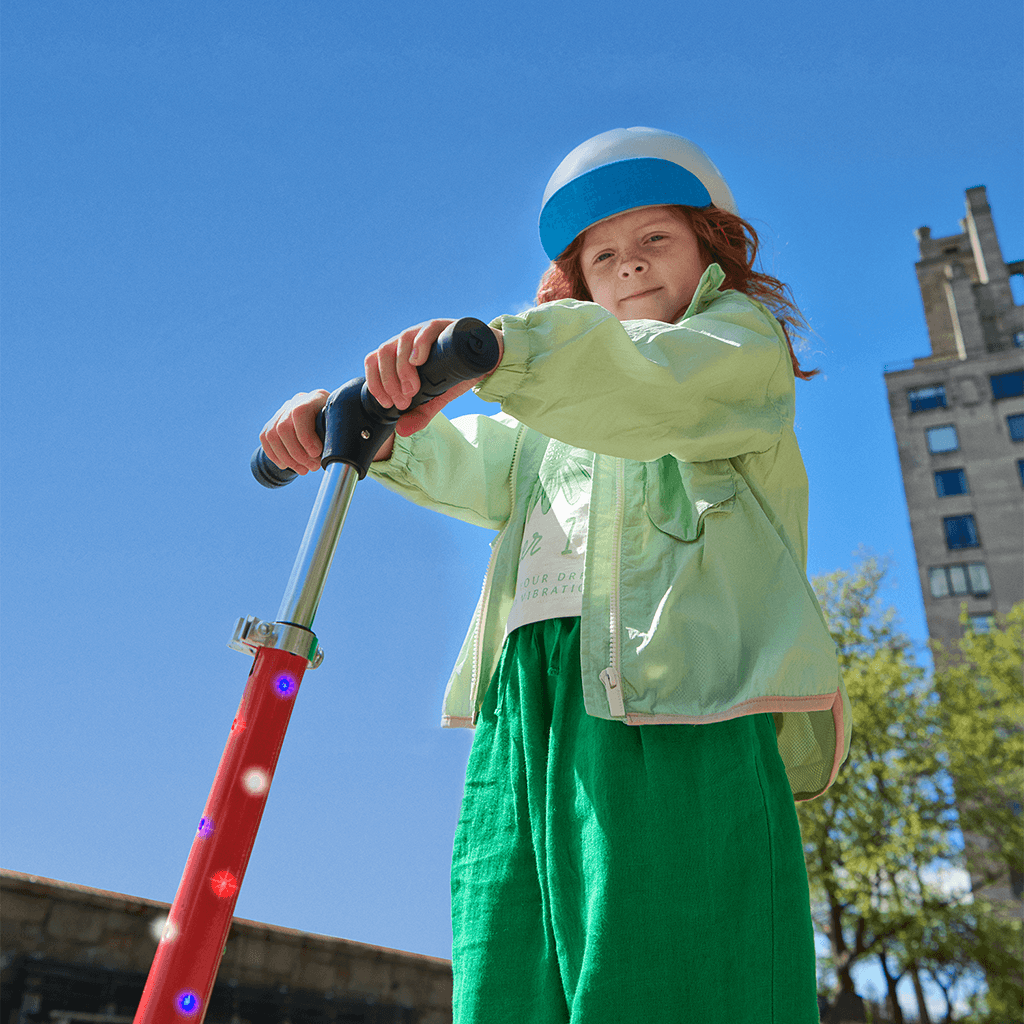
[392, 378]
[290, 437]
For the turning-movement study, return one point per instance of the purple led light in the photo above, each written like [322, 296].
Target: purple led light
[187, 1003]
[205, 827]
[285, 686]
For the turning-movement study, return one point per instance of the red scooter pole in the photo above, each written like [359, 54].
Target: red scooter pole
[353, 426]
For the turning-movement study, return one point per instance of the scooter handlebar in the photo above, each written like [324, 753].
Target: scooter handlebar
[464, 350]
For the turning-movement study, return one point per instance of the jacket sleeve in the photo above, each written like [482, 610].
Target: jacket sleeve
[717, 384]
[460, 467]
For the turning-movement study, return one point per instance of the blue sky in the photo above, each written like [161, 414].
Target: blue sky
[210, 207]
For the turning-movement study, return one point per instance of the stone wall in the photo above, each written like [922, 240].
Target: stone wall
[53, 930]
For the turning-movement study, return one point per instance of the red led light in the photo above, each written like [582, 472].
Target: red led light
[224, 884]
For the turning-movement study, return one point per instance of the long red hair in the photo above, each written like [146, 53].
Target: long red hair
[723, 238]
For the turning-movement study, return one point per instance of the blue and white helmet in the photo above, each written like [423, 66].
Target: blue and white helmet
[621, 170]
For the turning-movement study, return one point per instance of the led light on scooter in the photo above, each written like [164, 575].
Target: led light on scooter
[187, 1003]
[224, 884]
[256, 782]
[205, 827]
[163, 929]
[285, 686]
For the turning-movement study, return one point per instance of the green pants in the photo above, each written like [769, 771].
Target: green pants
[605, 872]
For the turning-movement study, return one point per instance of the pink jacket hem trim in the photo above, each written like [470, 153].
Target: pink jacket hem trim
[759, 705]
[766, 705]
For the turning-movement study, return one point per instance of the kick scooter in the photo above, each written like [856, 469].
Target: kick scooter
[353, 426]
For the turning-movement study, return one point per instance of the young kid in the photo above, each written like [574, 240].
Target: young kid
[648, 672]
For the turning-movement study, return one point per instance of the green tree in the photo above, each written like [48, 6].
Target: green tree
[980, 705]
[883, 845]
[888, 816]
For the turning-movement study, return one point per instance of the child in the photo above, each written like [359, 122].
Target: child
[648, 672]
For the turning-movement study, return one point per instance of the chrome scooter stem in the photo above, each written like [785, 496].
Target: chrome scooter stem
[309, 573]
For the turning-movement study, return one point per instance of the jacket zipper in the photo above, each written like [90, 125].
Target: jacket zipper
[485, 595]
[612, 676]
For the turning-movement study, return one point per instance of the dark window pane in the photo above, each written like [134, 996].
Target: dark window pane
[950, 481]
[961, 532]
[1007, 385]
[1016, 425]
[927, 398]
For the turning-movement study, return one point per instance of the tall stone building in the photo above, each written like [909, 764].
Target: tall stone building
[958, 415]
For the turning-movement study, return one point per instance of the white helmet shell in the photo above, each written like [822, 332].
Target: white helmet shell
[621, 170]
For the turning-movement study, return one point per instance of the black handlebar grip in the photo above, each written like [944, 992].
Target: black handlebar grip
[268, 472]
[464, 350]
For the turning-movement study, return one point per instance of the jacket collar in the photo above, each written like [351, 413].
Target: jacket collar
[707, 291]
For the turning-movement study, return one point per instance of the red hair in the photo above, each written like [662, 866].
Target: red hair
[722, 238]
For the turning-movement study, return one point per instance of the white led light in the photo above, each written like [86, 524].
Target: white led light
[163, 929]
[256, 781]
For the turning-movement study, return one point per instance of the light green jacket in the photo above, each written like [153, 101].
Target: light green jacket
[697, 606]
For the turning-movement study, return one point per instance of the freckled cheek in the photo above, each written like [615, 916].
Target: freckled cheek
[595, 284]
[601, 294]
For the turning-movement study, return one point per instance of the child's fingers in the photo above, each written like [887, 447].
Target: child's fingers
[279, 443]
[373, 382]
[382, 378]
[426, 334]
[303, 419]
[391, 374]
[412, 347]
[405, 365]
[290, 437]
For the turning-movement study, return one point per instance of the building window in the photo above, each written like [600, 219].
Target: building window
[1007, 385]
[960, 532]
[1016, 425]
[977, 577]
[1018, 339]
[1020, 470]
[927, 398]
[981, 623]
[959, 580]
[943, 439]
[951, 481]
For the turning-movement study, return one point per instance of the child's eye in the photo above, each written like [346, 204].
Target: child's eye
[602, 256]
[656, 238]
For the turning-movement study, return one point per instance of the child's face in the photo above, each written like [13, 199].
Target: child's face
[643, 264]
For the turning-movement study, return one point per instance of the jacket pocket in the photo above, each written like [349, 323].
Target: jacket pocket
[679, 495]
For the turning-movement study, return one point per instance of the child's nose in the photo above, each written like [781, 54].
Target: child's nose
[632, 265]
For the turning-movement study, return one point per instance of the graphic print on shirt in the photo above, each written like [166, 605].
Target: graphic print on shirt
[551, 560]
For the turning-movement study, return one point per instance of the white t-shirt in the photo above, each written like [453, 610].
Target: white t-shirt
[550, 579]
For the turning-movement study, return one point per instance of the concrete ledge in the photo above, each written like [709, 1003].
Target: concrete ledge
[62, 921]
